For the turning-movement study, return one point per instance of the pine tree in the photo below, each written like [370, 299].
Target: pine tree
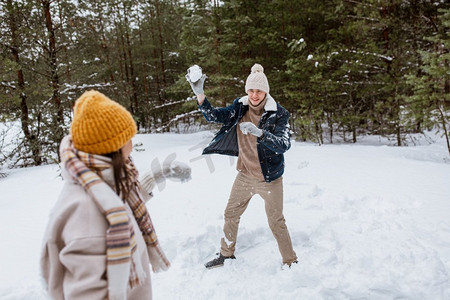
[430, 101]
[18, 100]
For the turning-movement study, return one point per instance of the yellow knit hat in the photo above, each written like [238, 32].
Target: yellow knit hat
[100, 125]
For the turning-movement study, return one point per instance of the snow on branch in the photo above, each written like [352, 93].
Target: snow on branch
[177, 118]
[363, 83]
[70, 87]
[171, 103]
[385, 57]
[8, 85]
[363, 18]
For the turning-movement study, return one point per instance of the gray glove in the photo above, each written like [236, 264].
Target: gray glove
[249, 127]
[174, 170]
[197, 86]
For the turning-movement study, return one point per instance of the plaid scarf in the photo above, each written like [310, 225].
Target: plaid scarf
[123, 264]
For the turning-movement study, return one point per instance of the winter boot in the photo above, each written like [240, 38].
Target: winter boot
[218, 262]
[294, 262]
[289, 264]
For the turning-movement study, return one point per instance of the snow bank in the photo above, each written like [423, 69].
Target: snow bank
[367, 222]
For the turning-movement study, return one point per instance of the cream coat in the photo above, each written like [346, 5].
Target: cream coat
[73, 258]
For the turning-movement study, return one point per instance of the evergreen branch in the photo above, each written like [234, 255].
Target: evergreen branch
[31, 69]
[431, 21]
[360, 3]
[7, 46]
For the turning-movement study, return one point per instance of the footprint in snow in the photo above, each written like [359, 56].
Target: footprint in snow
[303, 165]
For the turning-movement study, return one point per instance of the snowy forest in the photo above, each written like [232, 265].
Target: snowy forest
[343, 68]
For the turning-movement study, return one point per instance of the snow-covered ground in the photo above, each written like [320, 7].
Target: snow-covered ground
[368, 221]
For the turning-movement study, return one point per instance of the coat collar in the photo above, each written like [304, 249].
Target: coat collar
[270, 105]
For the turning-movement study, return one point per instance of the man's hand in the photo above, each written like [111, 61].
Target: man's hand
[249, 127]
[197, 86]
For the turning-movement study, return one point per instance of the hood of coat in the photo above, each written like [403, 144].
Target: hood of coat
[106, 174]
[270, 105]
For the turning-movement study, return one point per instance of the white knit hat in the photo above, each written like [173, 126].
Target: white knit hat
[257, 79]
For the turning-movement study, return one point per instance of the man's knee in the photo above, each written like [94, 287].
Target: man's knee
[232, 215]
[234, 211]
[277, 223]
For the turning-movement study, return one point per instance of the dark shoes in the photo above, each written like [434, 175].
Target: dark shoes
[218, 262]
[290, 264]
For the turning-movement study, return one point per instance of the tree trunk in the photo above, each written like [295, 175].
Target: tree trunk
[144, 66]
[104, 44]
[133, 96]
[216, 45]
[155, 57]
[354, 133]
[398, 115]
[330, 125]
[24, 112]
[444, 126]
[161, 44]
[119, 53]
[124, 57]
[52, 51]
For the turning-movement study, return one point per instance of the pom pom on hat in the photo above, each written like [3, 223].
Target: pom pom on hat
[257, 68]
[257, 79]
[100, 125]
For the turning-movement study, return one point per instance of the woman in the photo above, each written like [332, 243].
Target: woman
[100, 239]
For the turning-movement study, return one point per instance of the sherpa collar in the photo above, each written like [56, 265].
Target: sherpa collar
[270, 105]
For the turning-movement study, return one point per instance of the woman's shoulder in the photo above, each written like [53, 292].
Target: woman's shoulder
[75, 214]
[72, 193]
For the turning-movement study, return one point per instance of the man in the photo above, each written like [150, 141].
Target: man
[262, 138]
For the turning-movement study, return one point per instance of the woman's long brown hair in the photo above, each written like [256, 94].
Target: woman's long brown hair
[121, 179]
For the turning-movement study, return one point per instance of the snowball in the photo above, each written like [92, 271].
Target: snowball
[195, 73]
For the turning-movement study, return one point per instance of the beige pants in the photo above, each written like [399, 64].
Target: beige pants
[244, 188]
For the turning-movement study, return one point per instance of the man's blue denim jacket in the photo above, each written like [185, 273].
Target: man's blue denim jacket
[271, 145]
